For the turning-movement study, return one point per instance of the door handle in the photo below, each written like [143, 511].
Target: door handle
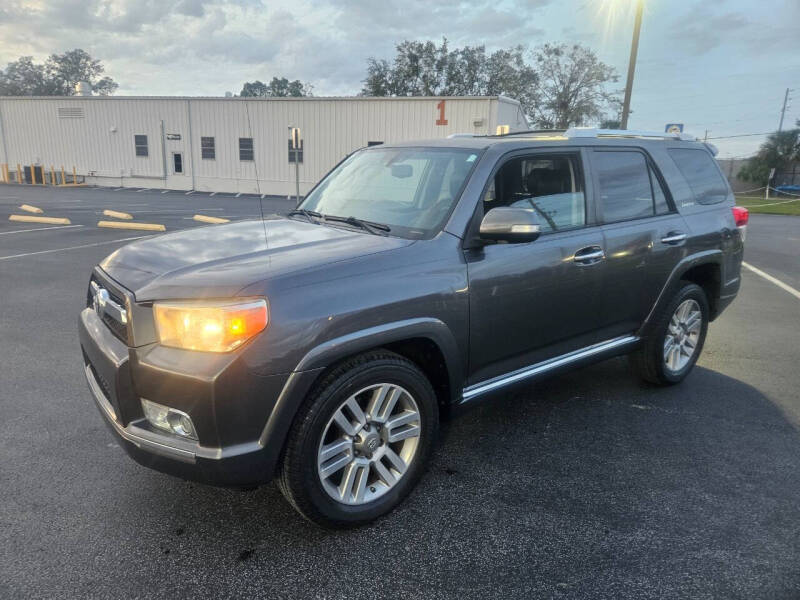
[674, 238]
[589, 255]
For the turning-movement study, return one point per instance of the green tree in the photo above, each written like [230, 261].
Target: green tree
[279, 87]
[573, 86]
[66, 70]
[57, 76]
[778, 151]
[428, 69]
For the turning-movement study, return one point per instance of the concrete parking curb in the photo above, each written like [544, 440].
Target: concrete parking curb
[32, 219]
[137, 226]
[31, 209]
[117, 215]
[207, 219]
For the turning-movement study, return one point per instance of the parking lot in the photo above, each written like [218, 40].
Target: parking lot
[588, 485]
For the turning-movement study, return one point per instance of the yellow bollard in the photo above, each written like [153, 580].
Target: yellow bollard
[52, 175]
[74, 175]
[19, 173]
[63, 176]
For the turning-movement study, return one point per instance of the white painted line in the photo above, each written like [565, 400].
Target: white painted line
[189, 192]
[142, 190]
[239, 194]
[118, 189]
[165, 191]
[72, 247]
[772, 279]
[212, 194]
[40, 229]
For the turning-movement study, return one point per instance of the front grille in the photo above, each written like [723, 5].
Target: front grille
[120, 330]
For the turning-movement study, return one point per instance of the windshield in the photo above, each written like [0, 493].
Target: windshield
[412, 190]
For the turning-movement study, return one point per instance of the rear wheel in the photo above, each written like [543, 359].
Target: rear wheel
[359, 443]
[668, 356]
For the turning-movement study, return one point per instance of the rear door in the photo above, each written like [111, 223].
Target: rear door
[642, 234]
[533, 301]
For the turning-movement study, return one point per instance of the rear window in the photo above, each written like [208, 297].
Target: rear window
[702, 175]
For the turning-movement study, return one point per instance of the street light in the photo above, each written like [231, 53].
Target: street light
[626, 104]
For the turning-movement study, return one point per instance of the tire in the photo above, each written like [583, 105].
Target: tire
[372, 380]
[650, 360]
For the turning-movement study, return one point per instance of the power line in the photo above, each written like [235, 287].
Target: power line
[727, 137]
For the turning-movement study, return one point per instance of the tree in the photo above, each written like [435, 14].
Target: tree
[573, 86]
[778, 151]
[67, 69]
[277, 88]
[428, 69]
[56, 77]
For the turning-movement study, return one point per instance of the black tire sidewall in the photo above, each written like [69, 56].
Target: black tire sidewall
[406, 375]
[688, 291]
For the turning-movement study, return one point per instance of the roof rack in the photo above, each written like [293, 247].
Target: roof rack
[591, 132]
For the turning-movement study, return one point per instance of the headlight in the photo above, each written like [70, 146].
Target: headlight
[217, 326]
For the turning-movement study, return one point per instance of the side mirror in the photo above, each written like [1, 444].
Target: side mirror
[509, 224]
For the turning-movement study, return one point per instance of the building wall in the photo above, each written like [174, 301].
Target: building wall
[96, 135]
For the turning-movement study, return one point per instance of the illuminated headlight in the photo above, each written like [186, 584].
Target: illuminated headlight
[209, 326]
[169, 419]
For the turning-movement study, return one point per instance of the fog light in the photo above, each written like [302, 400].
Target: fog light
[169, 419]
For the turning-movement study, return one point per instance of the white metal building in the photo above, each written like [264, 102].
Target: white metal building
[225, 144]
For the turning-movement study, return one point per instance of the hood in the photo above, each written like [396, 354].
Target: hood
[220, 260]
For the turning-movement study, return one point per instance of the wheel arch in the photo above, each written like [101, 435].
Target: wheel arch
[427, 342]
[702, 268]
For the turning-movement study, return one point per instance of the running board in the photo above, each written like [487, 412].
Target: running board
[500, 381]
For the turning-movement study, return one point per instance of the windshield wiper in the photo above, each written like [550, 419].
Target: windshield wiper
[308, 214]
[369, 226]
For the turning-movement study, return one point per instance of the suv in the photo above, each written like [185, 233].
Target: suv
[319, 348]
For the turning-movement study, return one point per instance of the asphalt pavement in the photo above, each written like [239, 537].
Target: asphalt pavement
[588, 485]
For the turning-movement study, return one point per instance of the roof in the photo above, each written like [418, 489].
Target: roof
[560, 137]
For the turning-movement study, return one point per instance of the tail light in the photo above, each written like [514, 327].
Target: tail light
[741, 215]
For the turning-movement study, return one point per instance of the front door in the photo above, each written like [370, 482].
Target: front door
[533, 301]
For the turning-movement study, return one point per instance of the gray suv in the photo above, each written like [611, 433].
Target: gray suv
[320, 348]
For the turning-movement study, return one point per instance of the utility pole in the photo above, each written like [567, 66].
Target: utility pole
[626, 104]
[783, 110]
[705, 137]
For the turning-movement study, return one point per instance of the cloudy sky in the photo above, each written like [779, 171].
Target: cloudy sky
[721, 65]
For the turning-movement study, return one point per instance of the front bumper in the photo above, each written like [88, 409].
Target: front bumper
[217, 401]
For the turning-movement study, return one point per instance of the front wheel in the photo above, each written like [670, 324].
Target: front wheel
[669, 354]
[359, 444]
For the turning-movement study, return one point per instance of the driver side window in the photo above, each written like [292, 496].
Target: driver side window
[552, 185]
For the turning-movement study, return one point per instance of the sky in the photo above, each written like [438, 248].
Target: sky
[721, 66]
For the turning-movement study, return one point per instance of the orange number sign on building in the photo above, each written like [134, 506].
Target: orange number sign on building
[441, 120]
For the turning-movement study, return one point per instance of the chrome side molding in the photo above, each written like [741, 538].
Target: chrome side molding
[500, 381]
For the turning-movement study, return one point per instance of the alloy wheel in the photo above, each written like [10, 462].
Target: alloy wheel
[369, 443]
[683, 334]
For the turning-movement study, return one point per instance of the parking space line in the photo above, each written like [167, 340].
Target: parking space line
[72, 247]
[772, 279]
[40, 229]
[165, 191]
[142, 190]
[189, 193]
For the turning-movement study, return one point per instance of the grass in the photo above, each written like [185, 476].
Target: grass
[789, 205]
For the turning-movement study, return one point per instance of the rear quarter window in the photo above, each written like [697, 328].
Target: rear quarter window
[701, 173]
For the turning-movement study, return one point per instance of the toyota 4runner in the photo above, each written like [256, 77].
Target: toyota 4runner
[319, 348]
